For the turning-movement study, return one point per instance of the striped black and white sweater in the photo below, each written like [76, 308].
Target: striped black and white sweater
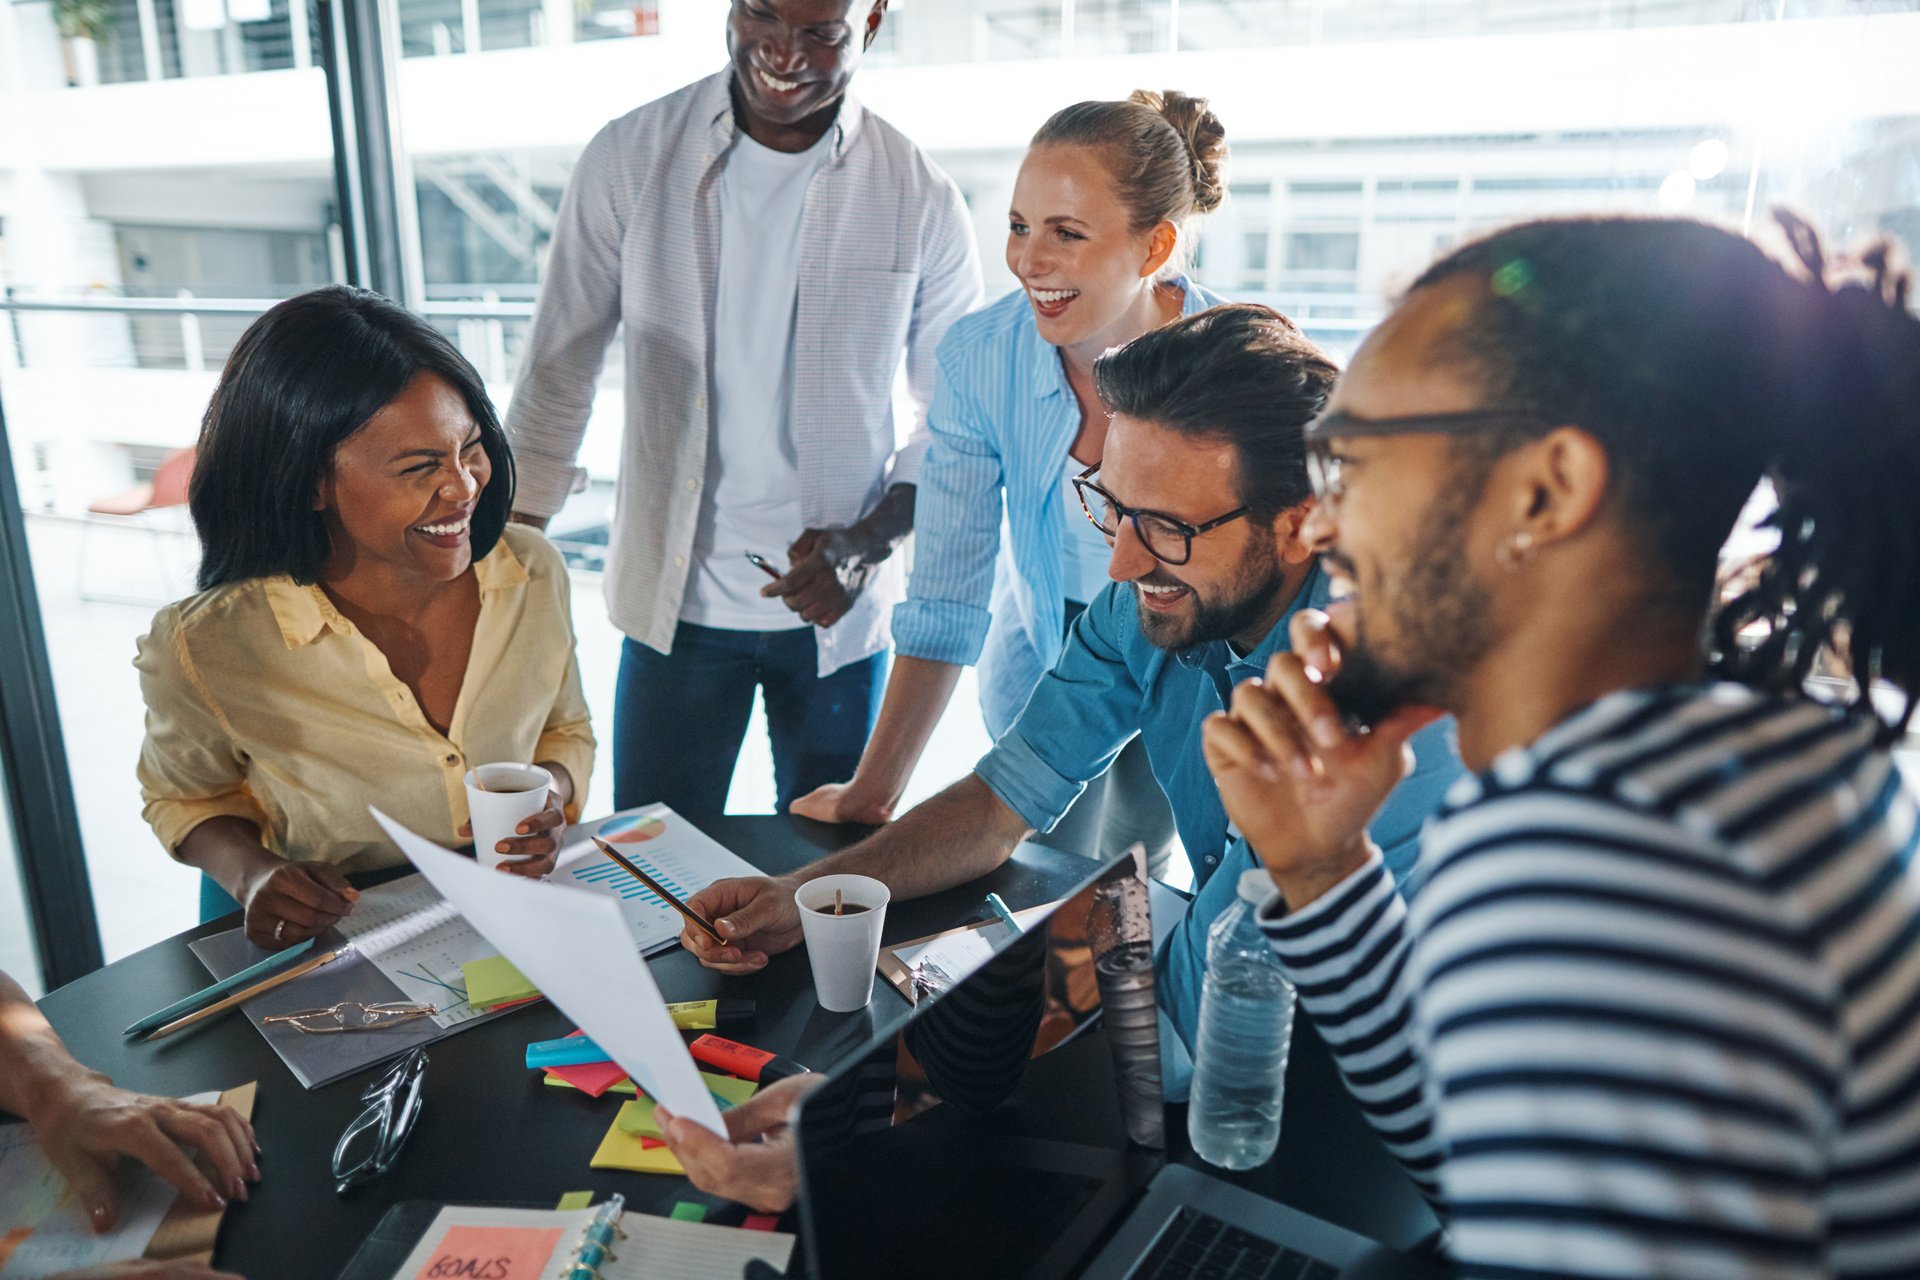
[1654, 1009]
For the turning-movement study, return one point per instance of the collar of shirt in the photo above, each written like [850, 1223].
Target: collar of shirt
[1229, 668]
[1049, 376]
[303, 612]
[723, 130]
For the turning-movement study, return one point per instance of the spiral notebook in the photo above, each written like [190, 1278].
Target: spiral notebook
[418, 1240]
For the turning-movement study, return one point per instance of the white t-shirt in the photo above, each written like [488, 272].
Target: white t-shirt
[751, 500]
[1084, 553]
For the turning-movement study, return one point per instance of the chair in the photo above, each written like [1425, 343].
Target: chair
[135, 508]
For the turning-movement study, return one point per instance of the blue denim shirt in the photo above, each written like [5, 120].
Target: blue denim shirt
[1111, 683]
[1002, 420]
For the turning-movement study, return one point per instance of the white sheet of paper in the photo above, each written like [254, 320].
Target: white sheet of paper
[575, 946]
[46, 1227]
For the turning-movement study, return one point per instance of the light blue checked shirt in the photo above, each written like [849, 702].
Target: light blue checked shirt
[1002, 420]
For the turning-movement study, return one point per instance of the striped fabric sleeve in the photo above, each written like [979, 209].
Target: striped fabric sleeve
[956, 521]
[949, 288]
[573, 321]
[1346, 956]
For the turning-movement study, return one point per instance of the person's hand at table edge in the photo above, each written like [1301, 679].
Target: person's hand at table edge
[755, 914]
[290, 901]
[86, 1125]
[756, 1163]
[845, 802]
[149, 1269]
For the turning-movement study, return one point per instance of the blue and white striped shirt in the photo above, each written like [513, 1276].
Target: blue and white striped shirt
[1654, 1010]
[1002, 420]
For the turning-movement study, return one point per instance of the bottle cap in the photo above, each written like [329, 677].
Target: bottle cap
[1256, 886]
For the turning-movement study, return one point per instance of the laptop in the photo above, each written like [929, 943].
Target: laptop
[985, 1139]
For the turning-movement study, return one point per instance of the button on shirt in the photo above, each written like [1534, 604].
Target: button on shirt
[1111, 683]
[266, 703]
[1003, 420]
[889, 264]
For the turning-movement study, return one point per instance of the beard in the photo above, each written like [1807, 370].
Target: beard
[1242, 602]
[1438, 622]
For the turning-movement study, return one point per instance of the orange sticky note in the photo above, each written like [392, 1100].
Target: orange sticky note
[499, 1253]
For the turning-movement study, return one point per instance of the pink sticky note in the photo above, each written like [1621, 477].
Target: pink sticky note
[498, 1253]
[590, 1078]
[762, 1222]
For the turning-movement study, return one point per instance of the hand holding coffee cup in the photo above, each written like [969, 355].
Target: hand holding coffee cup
[843, 945]
[515, 818]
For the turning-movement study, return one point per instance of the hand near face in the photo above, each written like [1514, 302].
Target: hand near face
[826, 575]
[756, 1162]
[538, 843]
[87, 1125]
[292, 901]
[1296, 780]
[756, 915]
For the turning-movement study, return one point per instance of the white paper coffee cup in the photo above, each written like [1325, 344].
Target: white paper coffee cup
[513, 793]
[843, 949]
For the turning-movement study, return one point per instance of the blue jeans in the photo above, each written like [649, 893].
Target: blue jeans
[679, 718]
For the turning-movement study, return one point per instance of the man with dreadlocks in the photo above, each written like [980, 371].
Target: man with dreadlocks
[1654, 1009]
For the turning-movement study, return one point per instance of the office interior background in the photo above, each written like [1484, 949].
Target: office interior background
[170, 168]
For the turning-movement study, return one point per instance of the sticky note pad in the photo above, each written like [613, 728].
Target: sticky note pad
[761, 1222]
[620, 1150]
[573, 1077]
[576, 1200]
[503, 1253]
[637, 1116]
[494, 981]
[688, 1211]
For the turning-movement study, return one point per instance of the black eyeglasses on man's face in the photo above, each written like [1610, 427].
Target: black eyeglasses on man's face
[1323, 464]
[1166, 538]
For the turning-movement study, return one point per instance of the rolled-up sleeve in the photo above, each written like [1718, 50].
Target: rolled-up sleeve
[1080, 715]
[949, 287]
[956, 523]
[189, 771]
[567, 737]
[575, 319]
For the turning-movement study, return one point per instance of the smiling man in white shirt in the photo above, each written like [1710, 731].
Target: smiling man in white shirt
[772, 248]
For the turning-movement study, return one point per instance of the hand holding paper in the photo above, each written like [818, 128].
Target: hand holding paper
[576, 948]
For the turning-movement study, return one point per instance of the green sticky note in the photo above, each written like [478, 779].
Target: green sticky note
[576, 1200]
[688, 1211]
[636, 1117]
[495, 981]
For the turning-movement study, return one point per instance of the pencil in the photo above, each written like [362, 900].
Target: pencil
[252, 991]
[664, 893]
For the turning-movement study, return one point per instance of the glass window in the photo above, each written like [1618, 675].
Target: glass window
[143, 201]
[18, 959]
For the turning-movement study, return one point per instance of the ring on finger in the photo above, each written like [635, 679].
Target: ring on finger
[279, 930]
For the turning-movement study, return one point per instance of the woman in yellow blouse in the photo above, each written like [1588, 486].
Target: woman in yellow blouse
[369, 626]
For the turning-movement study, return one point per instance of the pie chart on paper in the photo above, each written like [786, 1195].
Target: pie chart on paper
[636, 829]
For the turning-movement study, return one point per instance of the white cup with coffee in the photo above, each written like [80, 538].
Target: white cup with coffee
[499, 798]
[843, 945]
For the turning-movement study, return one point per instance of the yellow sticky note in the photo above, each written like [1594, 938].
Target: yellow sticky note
[637, 1117]
[576, 1200]
[621, 1150]
[493, 981]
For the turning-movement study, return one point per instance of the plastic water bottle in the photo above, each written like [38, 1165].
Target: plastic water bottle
[1246, 1027]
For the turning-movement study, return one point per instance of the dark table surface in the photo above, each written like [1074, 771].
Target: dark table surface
[491, 1131]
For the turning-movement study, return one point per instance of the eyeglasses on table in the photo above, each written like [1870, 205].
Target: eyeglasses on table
[370, 1145]
[352, 1015]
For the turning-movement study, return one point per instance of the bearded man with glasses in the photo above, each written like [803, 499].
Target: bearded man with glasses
[1203, 492]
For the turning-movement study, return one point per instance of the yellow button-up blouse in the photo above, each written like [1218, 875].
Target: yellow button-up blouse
[264, 702]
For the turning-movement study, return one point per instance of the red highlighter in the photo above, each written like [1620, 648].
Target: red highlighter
[743, 1060]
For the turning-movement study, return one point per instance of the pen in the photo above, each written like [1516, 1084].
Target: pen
[219, 988]
[252, 991]
[999, 909]
[665, 894]
[597, 1247]
[765, 566]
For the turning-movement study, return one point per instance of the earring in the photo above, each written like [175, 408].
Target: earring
[1515, 551]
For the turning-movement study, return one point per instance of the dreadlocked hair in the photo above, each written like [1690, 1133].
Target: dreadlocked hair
[1702, 366]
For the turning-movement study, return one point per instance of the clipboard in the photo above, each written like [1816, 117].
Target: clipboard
[188, 1231]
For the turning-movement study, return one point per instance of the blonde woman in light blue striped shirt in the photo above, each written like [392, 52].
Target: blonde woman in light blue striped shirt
[1097, 236]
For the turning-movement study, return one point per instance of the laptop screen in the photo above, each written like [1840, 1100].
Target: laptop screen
[927, 1138]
